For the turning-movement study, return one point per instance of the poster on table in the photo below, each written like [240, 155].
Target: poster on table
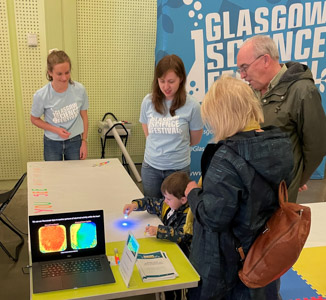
[207, 35]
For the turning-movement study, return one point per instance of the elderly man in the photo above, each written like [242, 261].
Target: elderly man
[290, 100]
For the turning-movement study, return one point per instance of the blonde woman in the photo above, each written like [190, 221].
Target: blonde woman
[241, 172]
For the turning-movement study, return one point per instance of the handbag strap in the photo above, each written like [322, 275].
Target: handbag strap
[283, 198]
[282, 193]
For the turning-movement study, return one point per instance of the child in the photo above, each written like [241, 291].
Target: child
[172, 210]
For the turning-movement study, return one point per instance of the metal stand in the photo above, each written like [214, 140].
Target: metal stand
[122, 142]
[123, 137]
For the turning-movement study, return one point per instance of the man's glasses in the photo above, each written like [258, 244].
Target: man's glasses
[244, 68]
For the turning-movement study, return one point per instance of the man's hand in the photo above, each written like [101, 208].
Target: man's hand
[303, 188]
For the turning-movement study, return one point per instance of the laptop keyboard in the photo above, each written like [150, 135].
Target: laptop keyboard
[69, 267]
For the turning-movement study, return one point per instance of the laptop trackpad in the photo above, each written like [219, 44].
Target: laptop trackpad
[47, 285]
[74, 281]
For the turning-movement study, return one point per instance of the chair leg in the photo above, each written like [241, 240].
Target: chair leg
[125, 164]
[18, 247]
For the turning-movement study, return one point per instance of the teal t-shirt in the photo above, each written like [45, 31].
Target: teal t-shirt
[168, 140]
[61, 109]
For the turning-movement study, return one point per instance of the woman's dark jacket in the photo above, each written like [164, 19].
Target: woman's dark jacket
[240, 183]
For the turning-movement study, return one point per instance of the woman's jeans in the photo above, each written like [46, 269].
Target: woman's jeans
[59, 150]
[152, 179]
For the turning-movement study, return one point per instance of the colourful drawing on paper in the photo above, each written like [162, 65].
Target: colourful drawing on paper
[101, 164]
[37, 176]
[83, 235]
[41, 206]
[52, 238]
[40, 192]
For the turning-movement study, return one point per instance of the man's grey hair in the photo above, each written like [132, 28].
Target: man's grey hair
[263, 44]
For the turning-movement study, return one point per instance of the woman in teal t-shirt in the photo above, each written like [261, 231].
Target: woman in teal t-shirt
[171, 122]
[64, 104]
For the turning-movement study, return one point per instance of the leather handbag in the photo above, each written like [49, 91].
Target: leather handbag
[279, 245]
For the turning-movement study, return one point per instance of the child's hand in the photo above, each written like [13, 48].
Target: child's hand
[151, 230]
[128, 208]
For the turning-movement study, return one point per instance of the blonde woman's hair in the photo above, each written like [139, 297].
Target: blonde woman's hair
[229, 106]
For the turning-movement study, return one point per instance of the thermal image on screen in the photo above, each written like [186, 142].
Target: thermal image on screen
[52, 238]
[83, 235]
[132, 244]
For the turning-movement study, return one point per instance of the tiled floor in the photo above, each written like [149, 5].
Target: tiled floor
[14, 283]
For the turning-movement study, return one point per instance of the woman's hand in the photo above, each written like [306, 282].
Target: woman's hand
[83, 150]
[63, 133]
[191, 185]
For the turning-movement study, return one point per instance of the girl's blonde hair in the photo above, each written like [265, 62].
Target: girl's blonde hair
[229, 106]
[56, 57]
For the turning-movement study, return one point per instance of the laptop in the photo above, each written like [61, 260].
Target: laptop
[68, 251]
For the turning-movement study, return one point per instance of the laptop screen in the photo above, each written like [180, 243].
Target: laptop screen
[66, 235]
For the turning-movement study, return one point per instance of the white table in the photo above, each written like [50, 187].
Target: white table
[69, 186]
[86, 185]
[317, 235]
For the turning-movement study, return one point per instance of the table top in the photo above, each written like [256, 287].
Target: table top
[188, 277]
[79, 185]
[103, 184]
[317, 236]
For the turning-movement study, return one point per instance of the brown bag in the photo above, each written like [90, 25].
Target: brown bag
[278, 247]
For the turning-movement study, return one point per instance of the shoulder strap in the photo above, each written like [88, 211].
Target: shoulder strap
[282, 193]
[283, 198]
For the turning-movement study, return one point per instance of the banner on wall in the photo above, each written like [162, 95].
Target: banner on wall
[207, 34]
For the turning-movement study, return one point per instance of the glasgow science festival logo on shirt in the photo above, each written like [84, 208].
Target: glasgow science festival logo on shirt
[65, 114]
[166, 125]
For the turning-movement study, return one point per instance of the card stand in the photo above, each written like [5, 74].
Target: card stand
[128, 259]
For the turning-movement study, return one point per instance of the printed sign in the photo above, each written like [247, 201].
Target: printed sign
[207, 35]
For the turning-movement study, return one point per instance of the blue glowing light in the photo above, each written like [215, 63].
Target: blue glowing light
[125, 224]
